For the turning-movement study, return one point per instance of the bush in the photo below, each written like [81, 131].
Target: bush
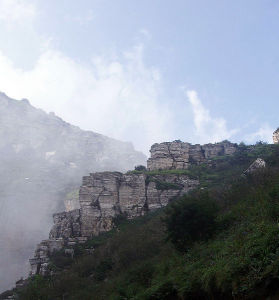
[190, 219]
[140, 168]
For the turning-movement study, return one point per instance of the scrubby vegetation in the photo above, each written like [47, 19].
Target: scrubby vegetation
[218, 242]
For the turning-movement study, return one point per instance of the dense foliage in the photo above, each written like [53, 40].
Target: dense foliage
[219, 242]
[191, 219]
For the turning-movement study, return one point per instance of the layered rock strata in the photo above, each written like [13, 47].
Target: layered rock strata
[275, 136]
[180, 155]
[103, 197]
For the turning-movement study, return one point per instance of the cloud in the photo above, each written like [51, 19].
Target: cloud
[207, 128]
[264, 133]
[81, 19]
[116, 96]
[16, 11]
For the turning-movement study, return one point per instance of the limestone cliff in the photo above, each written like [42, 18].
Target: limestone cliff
[276, 136]
[104, 196]
[180, 155]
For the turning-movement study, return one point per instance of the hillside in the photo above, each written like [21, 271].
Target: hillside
[42, 160]
[218, 242]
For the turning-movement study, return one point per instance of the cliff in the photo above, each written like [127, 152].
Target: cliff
[136, 261]
[105, 196]
[180, 155]
[276, 136]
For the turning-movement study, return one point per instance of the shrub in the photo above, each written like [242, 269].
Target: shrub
[190, 219]
[140, 168]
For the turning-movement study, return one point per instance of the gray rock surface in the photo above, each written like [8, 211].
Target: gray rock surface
[276, 136]
[180, 155]
[258, 164]
[103, 197]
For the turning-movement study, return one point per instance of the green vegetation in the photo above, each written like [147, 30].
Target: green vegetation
[219, 242]
[220, 170]
[140, 168]
[162, 185]
[191, 219]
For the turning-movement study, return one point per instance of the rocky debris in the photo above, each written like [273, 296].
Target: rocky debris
[258, 164]
[180, 155]
[275, 136]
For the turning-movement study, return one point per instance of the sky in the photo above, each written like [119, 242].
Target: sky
[147, 71]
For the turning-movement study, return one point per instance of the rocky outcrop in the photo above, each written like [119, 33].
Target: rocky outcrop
[40, 262]
[180, 155]
[276, 136]
[66, 225]
[258, 164]
[107, 195]
[103, 197]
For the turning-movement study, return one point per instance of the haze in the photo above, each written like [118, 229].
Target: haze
[146, 71]
[136, 71]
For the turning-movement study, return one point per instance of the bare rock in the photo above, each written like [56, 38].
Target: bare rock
[258, 164]
[104, 196]
[180, 155]
[276, 136]
[66, 225]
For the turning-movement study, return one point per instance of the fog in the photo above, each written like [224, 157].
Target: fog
[42, 160]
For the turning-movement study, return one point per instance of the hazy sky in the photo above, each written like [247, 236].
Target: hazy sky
[147, 71]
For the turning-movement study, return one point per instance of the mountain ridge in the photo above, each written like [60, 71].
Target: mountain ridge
[42, 159]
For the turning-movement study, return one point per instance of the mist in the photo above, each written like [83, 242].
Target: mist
[42, 161]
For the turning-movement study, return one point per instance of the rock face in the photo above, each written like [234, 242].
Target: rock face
[255, 166]
[180, 155]
[66, 225]
[276, 136]
[103, 197]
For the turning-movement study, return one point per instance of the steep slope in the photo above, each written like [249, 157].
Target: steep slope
[107, 196]
[42, 159]
[239, 259]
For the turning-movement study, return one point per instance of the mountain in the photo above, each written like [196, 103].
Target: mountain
[219, 241]
[42, 161]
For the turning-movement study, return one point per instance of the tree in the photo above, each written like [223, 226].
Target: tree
[190, 219]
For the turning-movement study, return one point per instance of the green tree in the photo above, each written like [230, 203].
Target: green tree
[190, 219]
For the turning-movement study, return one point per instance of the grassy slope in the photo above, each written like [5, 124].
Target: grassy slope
[134, 261]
